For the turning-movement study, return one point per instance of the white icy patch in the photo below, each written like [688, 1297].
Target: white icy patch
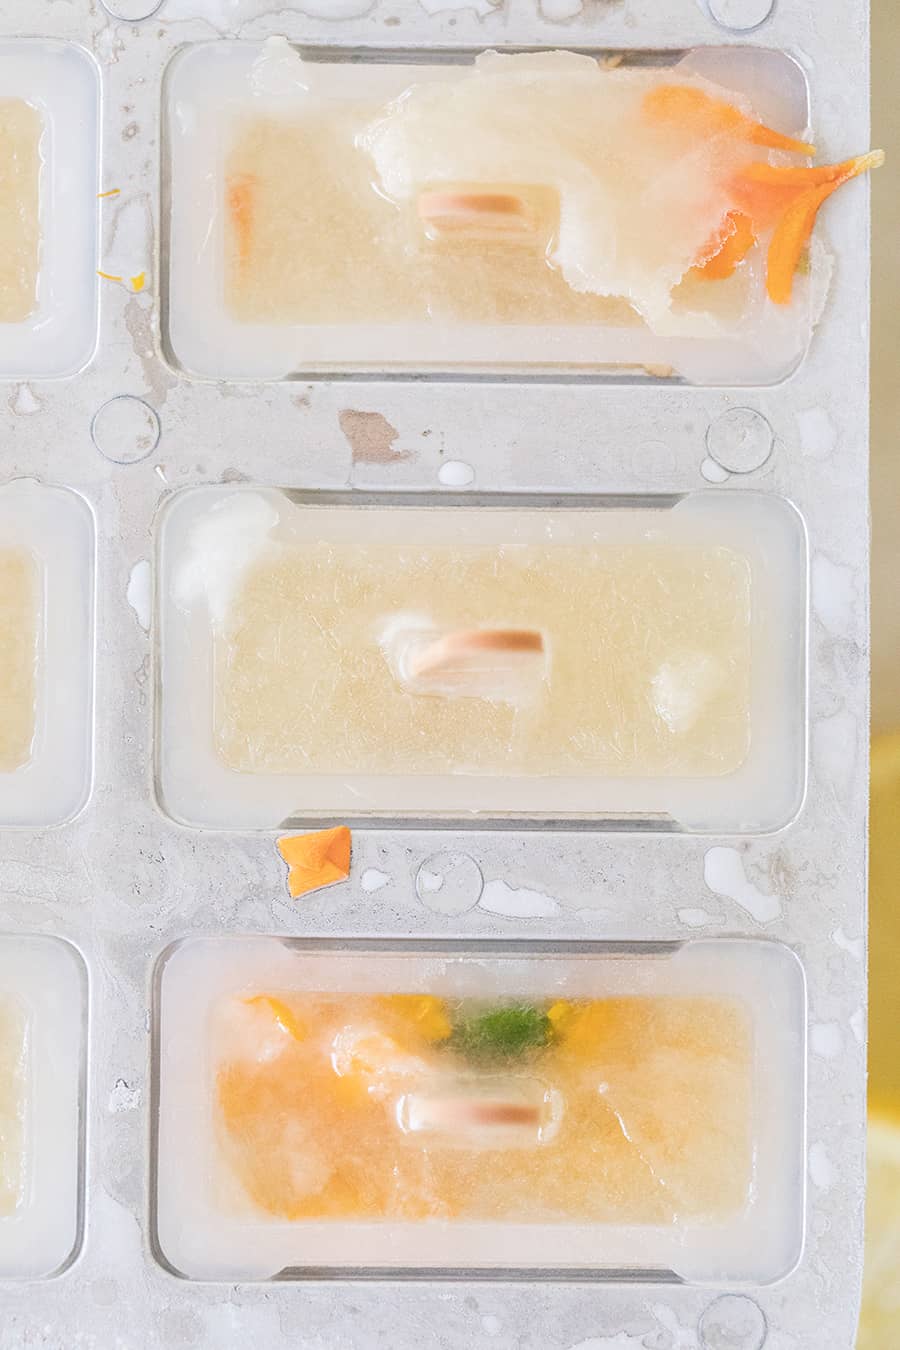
[826, 1039]
[373, 880]
[222, 545]
[24, 401]
[516, 902]
[456, 473]
[713, 471]
[123, 1097]
[818, 434]
[139, 593]
[821, 1168]
[833, 593]
[683, 687]
[699, 918]
[858, 1025]
[855, 946]
[723, 872]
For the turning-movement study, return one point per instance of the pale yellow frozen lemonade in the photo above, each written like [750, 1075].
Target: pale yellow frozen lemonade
[21, 128]
[413, 1107]
[581, 659]
[19, 603]
[533, 189]
[12, 1104]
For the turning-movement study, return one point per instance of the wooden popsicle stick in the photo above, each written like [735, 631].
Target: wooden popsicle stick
[459, 212]
[472, 648]
[473, 1112]
[463, 1112]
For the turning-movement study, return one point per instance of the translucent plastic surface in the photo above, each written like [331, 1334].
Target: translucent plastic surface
[43, 1012]
[529, 212]
[420, 659]
[414, 1107]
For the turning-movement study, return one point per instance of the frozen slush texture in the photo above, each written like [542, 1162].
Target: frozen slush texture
[648, 660]
[20, 133]
[18, 656]
[622, 1110]
[12, 1105]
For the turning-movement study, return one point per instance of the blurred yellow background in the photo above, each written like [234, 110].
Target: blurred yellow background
[880, 1322]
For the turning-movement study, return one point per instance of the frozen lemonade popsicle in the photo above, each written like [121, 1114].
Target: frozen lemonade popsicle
[525, 189]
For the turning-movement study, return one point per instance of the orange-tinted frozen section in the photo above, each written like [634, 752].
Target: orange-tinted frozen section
[651, 1107]
[782, 198]
[706, 116]
[241, 196]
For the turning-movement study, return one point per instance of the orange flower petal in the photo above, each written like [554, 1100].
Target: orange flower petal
[316, 860]
[795, 226]
[282, 1015]
[697, 111]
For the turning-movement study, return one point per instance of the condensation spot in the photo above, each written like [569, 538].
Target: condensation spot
[699, 918]
[456, 473]
[517, 902]
[449, 883]
[821, 1168]
[373, 880]
[826, 1040]
[723, 872]
[139, 592]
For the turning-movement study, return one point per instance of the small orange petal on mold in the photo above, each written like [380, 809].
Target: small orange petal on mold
[108, 276]
[113, 192]
[138, 281]
[315, 860]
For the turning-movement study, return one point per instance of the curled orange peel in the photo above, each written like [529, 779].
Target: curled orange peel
[316, 860]
[282, 1016]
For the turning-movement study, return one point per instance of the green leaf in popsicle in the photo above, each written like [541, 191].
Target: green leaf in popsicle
[502, 1033]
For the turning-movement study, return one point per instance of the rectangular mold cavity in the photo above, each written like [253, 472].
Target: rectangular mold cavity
[43, 1037]
[49, 114]
[294, 246]
[380, 1109]
[47, 643]
[302, 674]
